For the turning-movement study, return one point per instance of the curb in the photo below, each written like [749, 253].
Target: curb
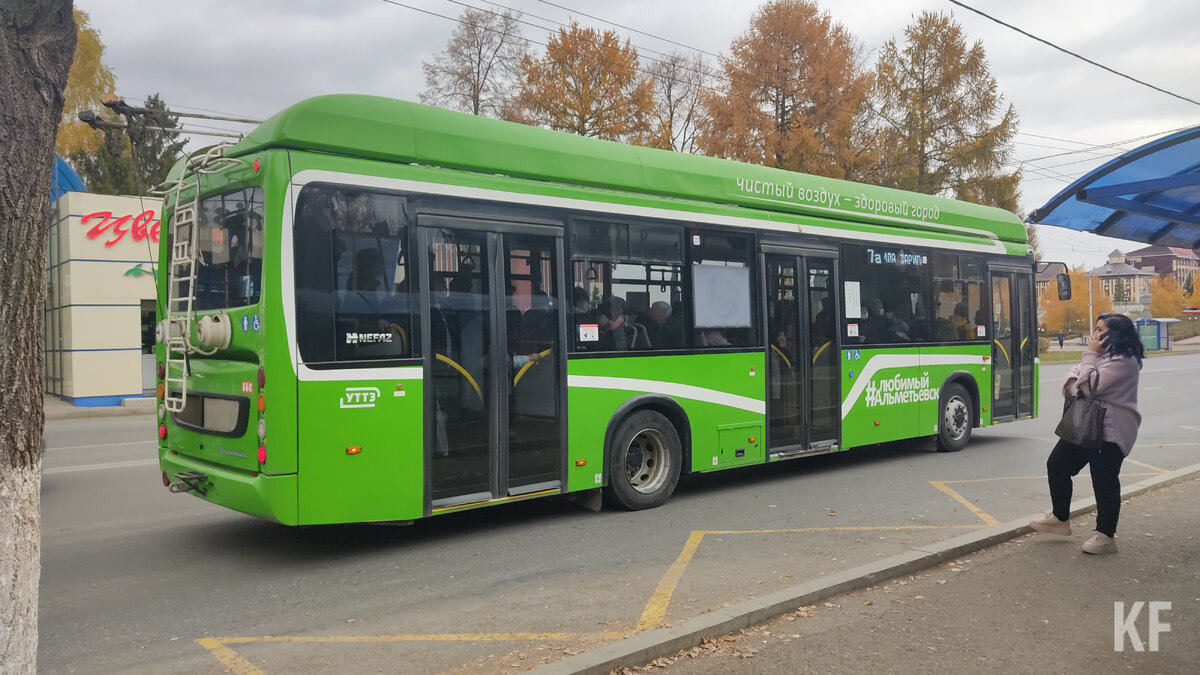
[643, 648]
[78, 412]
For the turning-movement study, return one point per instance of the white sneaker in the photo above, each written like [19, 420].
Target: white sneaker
[1050, 524]
[1100, 544]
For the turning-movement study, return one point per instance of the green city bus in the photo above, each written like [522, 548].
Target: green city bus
[374, 310]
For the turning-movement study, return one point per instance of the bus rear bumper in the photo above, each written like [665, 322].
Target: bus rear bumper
[270, 497]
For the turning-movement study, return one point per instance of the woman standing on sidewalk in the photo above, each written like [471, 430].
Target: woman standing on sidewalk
[1112, 364]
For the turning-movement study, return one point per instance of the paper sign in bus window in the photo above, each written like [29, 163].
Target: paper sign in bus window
[589, 332]
[853, 301]
[722, 296]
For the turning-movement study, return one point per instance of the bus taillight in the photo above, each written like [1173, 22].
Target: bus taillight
[262, 403]
[262, 378]
[262, 454]
[162, 431]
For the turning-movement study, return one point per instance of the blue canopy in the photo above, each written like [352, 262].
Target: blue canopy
[1151, 195]
[64, 179]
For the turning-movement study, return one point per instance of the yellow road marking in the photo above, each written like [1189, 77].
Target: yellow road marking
[1042, 477]
[941, 485]
[235, 663]
[1147, 466]
[848, 528]
[419, 637]
[656, 607]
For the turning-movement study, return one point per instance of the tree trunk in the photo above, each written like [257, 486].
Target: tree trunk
[37, 42]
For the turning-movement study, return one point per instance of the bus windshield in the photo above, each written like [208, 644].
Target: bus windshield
[230, 247]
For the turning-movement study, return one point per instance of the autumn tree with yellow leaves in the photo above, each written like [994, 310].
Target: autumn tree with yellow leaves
[89, 84]
[1167, 299]
[939, 104]
[589, 83]
[792, 92]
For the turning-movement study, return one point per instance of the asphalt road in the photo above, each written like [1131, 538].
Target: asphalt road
[136, 579]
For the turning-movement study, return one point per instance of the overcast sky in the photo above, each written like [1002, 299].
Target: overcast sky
[253, 58]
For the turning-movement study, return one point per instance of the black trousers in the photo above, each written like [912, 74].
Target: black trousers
[1065, 462]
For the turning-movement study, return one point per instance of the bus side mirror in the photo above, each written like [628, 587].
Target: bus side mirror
[1064, 286]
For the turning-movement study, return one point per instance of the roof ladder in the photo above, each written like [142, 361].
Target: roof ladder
[181, 290]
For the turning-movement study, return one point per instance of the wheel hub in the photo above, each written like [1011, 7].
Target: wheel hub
[646, 461]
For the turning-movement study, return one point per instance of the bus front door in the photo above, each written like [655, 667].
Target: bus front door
[494, 364]
[803, 374]
[1014, 344]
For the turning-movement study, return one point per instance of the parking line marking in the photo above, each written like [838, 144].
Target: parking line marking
[231, 659]
[419, 637]
[1147, 466]
[941, 485]
[656, 607]
[237, 664]
[1042, 477]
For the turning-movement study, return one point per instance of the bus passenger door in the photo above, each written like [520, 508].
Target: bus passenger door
[1014, 344]
[495, 368]
[803, 376]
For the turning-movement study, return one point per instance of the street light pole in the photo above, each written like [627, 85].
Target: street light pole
[1091, 317]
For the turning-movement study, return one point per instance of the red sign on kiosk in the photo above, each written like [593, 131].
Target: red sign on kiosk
[139, 227]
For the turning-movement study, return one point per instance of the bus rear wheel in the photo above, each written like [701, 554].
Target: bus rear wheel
[644, 461]
[955, 418]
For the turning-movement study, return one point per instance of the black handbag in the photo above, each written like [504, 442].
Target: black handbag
[1082, 422]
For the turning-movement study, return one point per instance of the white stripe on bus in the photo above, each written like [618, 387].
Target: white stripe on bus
[672, 389]
[886, 361]
[307, 374]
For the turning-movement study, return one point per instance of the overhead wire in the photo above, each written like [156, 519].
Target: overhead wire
[1071, 53]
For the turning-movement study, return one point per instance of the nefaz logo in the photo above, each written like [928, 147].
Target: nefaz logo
[359, 397]
[367, 338]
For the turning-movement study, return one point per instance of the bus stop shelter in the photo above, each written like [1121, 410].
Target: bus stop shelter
[1150, 194]
[1155, 332]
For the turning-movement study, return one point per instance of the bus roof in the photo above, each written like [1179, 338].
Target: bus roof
[400, 131]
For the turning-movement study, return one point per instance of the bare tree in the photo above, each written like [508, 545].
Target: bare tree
[678, 81]
[37, 41]
[477, 71]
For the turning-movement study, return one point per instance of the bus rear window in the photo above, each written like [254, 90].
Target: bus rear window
[230, 246]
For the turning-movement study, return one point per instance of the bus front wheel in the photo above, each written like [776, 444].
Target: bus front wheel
[955, 419]
[644, 460]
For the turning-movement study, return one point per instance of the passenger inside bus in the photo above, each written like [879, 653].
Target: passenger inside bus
[663, 332]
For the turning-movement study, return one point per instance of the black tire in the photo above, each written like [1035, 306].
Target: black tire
[644, 461]
[956, 418]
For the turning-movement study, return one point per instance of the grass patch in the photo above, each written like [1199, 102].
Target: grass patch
[1053, 356]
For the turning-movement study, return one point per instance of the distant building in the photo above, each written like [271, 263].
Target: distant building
[1127, 286]
[1044, 279]
[1180, 263]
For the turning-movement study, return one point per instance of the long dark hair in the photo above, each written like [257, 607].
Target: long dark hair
[1122, 338]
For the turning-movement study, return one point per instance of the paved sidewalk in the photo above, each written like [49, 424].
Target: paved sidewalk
[58, 409]
[1000, 599]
